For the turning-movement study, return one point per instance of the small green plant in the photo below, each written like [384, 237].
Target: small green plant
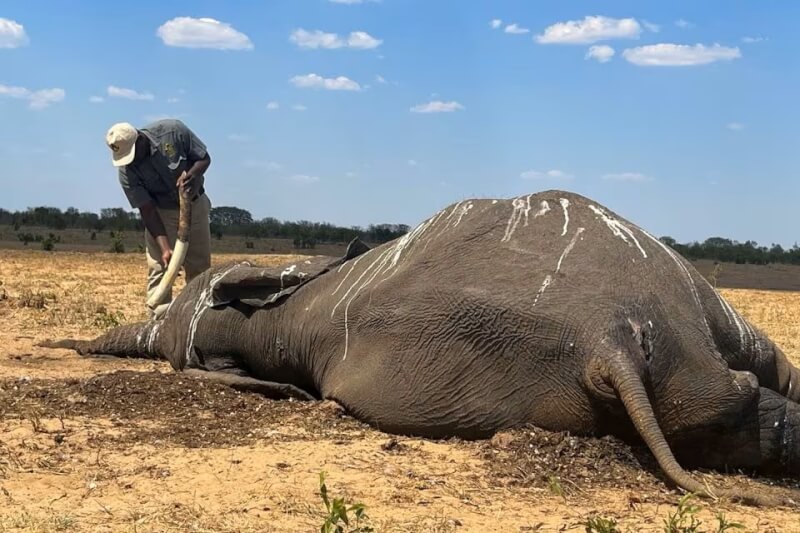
[104, 319]
[723, 526]
[337, 513]
[117, 244]
[683, 520]
[556, 489]
[49, 244]
[598, 524]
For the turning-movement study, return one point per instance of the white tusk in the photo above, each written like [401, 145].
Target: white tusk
[175, 264]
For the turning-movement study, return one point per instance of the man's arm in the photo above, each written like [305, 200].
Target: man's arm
[197, 155]
[139, 198]
[154, 224]
[194, 177]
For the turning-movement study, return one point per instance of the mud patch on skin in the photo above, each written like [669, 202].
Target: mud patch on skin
[174, 409]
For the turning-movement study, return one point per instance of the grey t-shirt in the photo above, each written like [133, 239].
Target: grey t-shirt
[174, 148]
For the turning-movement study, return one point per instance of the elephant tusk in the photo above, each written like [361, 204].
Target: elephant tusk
[178, 255]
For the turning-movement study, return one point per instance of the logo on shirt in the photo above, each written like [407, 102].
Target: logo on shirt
[169, 149]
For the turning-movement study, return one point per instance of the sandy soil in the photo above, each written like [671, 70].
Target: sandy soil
[114, 445]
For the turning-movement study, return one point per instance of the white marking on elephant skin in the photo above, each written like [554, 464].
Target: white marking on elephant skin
[202, 304]
[151, 338]
[461, 212]
[548, 280]
[618, 229]
[387, 260]
[569, 248]
[352, 267]
[544, 207]
[686, 273]
[546, 283]
[287, 272]
[735, 319]
[522, 210]
[564, 205]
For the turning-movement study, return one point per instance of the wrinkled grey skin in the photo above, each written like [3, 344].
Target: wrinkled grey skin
[546, 309]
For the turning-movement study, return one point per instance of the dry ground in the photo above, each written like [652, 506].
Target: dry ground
[97, 445]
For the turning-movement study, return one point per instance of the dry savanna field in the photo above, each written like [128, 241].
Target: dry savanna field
[91, 444]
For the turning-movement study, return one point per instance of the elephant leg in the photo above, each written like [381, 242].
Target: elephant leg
[268, 389]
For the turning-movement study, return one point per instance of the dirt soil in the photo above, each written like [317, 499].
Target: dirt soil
[96, 444]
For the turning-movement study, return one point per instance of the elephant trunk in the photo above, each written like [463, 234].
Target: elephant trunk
[132, 340]
[631, 390]
[159, 296]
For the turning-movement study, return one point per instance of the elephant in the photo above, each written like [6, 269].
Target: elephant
[546, 309]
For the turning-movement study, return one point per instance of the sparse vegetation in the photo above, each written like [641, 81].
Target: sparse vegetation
[684, 518]
[598, 524]
[117, 243]
[337, 513]
[35, 299]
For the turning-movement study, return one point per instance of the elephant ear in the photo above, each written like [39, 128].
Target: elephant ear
[262, 286]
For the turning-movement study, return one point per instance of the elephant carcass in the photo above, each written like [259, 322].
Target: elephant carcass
[546, 309]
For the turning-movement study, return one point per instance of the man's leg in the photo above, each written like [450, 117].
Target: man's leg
[198, 259]
[155, 270]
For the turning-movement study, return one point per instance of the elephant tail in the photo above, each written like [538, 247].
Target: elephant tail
[629, 386]
[137, 340]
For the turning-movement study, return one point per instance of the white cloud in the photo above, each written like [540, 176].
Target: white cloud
[239, 138]
[299, 107]
[351, 2]
[735, 126]
[601, 52]
[553, 174]
[516, 29]
[437, 106]
[12, 34]
[495, 23]
[412, 162]
[316, 39]
[681, 23]
[188, 32]
[362, 40]
[679, 55]
[272, 106]
[380, 79]
[304, 179]
[589, 30]
[36, 99]
[173, 100]
[129, 94]
[97, 99]
[627, 176]
[649, 26]
[350, 174]
[315, 81]
[751, 40]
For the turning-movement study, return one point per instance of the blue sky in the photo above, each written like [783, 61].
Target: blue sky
[386, 111]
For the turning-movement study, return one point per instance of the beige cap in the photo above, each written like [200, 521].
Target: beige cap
[121, 138]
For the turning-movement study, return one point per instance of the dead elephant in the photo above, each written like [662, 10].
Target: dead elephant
[546, 309]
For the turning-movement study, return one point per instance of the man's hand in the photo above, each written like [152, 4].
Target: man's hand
[166, 255]
[189, 184]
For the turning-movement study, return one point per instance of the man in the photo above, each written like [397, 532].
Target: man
[154, 163]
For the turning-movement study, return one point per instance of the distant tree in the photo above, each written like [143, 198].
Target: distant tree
[230, 216]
